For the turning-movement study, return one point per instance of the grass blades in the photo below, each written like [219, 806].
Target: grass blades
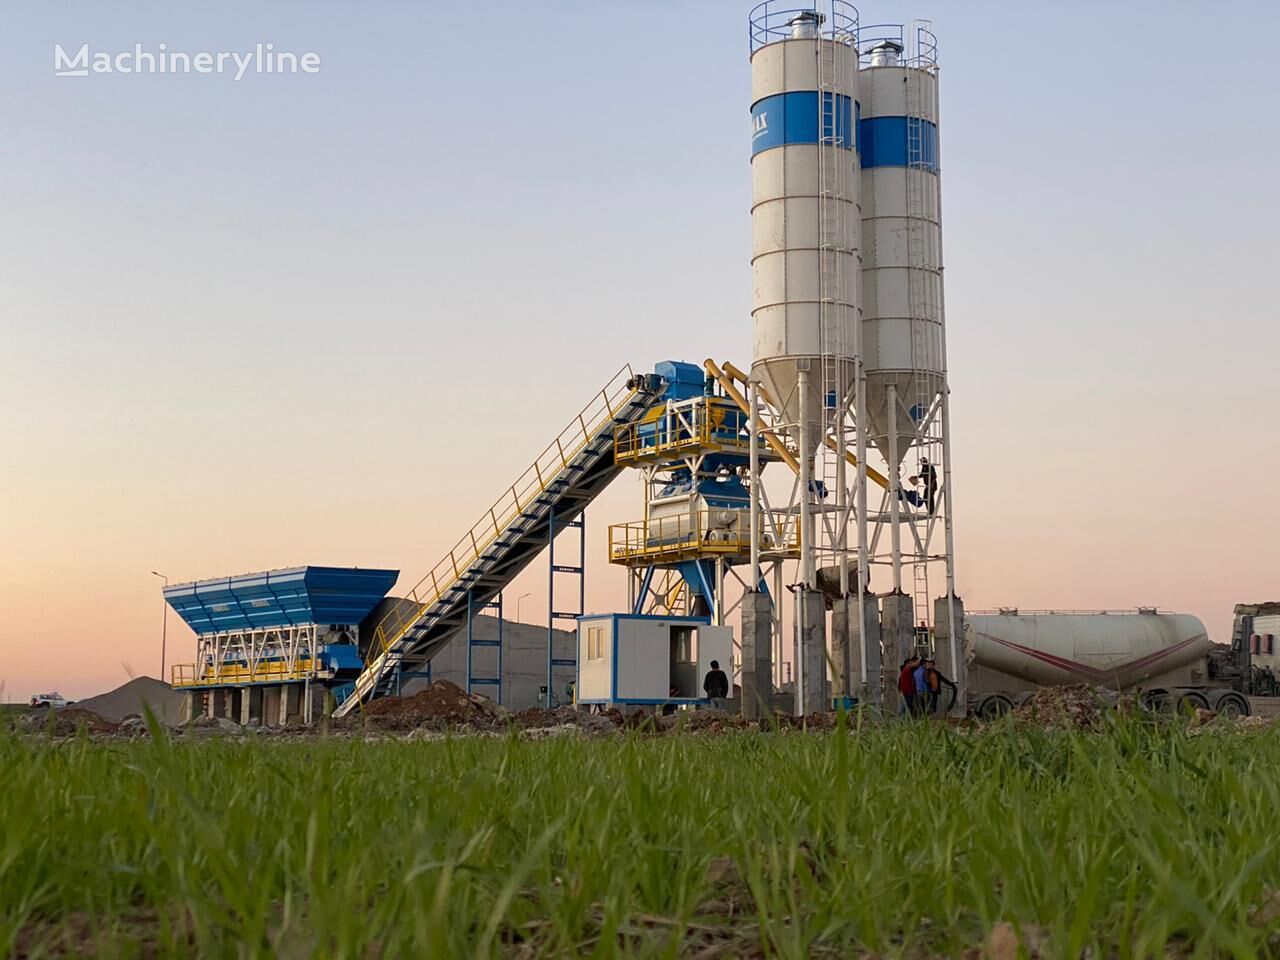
[907, 840]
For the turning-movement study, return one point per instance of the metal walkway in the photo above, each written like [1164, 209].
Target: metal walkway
[549, 496]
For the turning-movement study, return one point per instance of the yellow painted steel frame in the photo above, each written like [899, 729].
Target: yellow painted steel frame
[186, 674]
[691, 427]
[508, 508]
[684, 537]
[726, 377]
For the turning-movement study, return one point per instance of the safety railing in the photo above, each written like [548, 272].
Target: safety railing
[917, 44]
[703, 424]
[701, 533]
[776, 20]
[218, 674]
[588, 424]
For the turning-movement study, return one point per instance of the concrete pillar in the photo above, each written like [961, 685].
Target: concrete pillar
[942, 634]
[193, 705]
[215, 704]
[251, 705]
[812, 689]
[847, 679]
[290, 703]
[847, 641]
[757, 655]
[271, 705]
[897, 631]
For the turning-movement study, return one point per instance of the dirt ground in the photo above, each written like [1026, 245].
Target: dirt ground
[444, 708]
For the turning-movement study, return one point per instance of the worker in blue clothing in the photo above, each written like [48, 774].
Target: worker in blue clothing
[920, 680]
[910, 495]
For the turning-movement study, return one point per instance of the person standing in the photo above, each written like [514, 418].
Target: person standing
[716, 686]
[936, 682]
[907, 685]
[920, 683]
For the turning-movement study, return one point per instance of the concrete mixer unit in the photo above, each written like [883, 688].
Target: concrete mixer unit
[1164, 656]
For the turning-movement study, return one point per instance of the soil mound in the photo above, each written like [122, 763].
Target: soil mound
[129, 699]
[438, 706]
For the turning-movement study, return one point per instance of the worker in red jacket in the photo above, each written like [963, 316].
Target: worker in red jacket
[907, 685]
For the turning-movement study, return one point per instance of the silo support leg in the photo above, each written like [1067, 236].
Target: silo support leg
[757, 655]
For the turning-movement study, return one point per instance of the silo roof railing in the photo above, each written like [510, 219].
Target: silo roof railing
[917, 43]
[773, 20]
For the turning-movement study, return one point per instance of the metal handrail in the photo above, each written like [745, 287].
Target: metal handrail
[921, 54]
[187, 674]
[689, 424]
[532, 484]
[683, 532]
[770, 21]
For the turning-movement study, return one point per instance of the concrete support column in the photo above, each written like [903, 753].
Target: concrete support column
[757, 655]
[812, 691]
[271, 705]
[844, 650]
[947, 653]
[897, 630]
[251, 705]
[193, 705]
[291, 703]
[868, 639]
[848, 641]
[215, 703]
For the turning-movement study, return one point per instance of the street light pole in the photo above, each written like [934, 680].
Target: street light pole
[518, 599]
[164, 624]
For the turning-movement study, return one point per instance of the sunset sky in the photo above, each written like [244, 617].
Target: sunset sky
[327, 319]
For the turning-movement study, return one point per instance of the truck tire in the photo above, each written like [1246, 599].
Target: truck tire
[1156, 701]
[1232, 705]
[993, 707]
[1189, 701]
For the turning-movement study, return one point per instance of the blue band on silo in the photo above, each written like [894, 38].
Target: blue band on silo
[788, 118]
[892, 142]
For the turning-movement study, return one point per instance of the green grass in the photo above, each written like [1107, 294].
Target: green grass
[914, 840]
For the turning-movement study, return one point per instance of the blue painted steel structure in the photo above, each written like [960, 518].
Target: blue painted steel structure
[279, 598]
[473, 680]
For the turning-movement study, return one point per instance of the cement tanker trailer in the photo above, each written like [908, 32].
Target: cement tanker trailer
[1164, 657]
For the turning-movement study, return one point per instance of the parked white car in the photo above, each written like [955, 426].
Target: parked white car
[49, 700]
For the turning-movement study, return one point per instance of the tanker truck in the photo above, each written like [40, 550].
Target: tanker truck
[1166, 658]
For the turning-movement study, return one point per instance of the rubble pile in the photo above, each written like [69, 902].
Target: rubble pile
[1077, 707]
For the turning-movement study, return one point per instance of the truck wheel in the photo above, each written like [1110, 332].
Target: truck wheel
[994, 707]
[1233, 706]
[1156, 701]
[1190, 701]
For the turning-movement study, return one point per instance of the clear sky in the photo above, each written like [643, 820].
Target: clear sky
[326, 319]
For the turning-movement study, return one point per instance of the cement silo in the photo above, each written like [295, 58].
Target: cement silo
[904, 411]
[901, 236]
[805, 222]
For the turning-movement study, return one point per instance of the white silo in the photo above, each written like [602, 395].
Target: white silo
[902, 319]
[805, 222]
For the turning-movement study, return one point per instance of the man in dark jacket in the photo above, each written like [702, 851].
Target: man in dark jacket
[716, 686]
[936, 682]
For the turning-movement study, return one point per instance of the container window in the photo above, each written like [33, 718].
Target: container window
[595, 643]
[1270, 643]
[1255, 644]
